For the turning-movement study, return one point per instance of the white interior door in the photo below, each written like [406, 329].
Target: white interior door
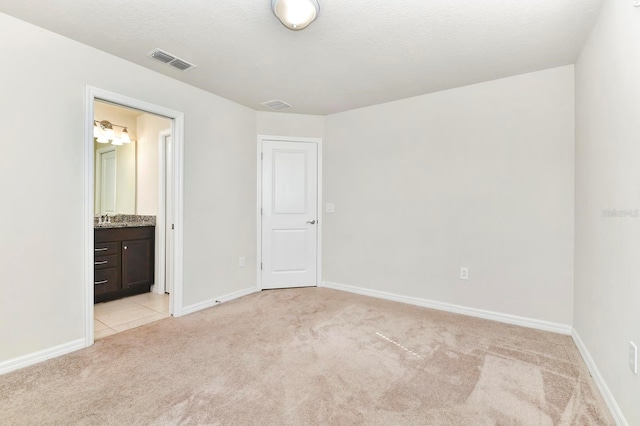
[108, 182]
[289, 214]
[169, 221]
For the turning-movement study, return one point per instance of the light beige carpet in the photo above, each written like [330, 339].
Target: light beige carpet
[312, 357]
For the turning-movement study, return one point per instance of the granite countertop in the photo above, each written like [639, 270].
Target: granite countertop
[125, 221]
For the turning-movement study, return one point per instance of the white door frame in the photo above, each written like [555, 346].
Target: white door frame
[160, 285]
[318, 142]
[91, 95]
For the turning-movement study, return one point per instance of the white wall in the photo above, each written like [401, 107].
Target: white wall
[607, 287]
[479, 176]
[41, 253]
[281, 124]
[147, 185]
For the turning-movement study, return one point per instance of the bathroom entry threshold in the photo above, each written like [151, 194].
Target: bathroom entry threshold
[130, 312]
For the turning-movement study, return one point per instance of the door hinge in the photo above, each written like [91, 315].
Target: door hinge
[262, 155]
[261, 266]
[261, 211]
[172, 226]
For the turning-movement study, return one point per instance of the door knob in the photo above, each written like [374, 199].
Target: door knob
[313, 222]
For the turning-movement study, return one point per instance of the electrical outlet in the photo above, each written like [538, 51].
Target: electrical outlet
[633, 357]
[330, 208]
[241, 262]
[464, 273]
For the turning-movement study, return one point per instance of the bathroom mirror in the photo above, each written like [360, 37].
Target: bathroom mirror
[115, 179]
[115, 165]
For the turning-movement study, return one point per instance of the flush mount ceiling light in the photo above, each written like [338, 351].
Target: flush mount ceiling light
[104, 133]
[295, 14]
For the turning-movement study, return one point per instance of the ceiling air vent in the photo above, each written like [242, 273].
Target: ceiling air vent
[161, 55]
[180, 64]
[276, 105]
[169, 59]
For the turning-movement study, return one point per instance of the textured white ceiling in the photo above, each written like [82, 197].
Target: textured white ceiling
[357, 53]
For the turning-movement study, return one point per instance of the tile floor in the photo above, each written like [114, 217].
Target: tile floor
[123, 314]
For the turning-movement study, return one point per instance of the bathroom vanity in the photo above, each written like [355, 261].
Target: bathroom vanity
[123, 258]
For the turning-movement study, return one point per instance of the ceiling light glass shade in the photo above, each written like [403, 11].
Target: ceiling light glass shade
[296, 14]
[102, 138]
[96, 131]
[124, 136]
[116, 141]
[110, 133]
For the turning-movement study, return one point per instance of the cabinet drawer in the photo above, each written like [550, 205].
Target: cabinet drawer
[106, 249]
[106, 280]
[103, 262]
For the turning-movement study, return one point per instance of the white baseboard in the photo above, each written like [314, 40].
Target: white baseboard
[213, 302]
[36, 357]
[616, 412]
[441, 306]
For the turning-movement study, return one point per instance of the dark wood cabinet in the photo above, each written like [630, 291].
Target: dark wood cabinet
[137, 263]
[123, 262]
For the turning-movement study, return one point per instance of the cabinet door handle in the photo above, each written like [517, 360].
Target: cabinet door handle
[102, 262]
[100, 282]
[101, 249]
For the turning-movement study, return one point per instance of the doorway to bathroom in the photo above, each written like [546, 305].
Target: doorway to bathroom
[133, 233]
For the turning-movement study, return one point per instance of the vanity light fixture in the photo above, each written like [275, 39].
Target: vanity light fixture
[104, 133]
[296, 14]
[124, 136]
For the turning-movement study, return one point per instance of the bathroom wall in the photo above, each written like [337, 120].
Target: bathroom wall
[149, 127]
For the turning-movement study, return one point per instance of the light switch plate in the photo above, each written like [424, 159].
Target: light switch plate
[464, 273]
[330, 208]
[633, 357]
[241, 262]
